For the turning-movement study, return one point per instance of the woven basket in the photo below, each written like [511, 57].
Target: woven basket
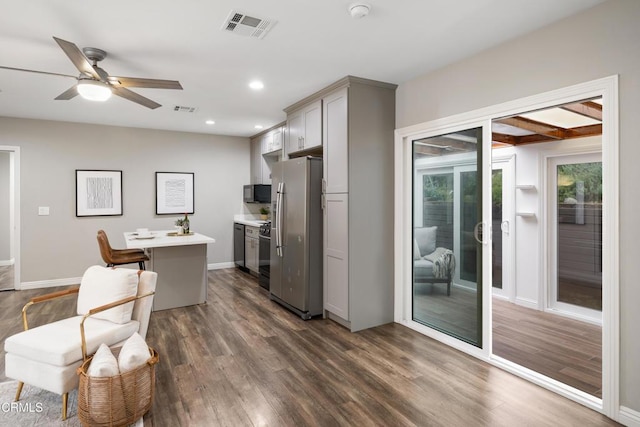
[119, 400]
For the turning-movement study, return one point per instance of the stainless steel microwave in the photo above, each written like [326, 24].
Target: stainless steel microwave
[257, 193]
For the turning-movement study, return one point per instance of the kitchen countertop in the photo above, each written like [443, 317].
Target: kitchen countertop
[160, 238]
[248, 220]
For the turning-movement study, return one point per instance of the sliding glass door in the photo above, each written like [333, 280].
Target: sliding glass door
[448, 233]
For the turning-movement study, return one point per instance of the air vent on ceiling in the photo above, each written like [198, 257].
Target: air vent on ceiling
[245, 25]
[183, 109]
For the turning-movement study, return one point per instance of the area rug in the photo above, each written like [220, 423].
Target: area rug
[37, 407]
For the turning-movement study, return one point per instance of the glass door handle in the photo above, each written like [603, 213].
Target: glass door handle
[478, 230]
[504, 226]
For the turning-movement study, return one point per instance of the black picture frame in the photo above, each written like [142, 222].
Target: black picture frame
[175, 193]
[98, 192]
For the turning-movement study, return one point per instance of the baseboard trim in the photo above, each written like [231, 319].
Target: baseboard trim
[527, 303]
[39, 284]
[629, 417]
[220, 265]
[7, 262]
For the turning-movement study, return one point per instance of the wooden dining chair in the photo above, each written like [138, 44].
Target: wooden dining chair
[113, 257]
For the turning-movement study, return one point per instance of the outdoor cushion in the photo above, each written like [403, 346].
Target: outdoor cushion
[422, 269]
[416, 250]
[426, 238]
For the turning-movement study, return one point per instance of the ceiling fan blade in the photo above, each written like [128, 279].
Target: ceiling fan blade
[132, 96]
[102, 74]
[149, 83]
[67, 94]
[37, 72]
[77, 57]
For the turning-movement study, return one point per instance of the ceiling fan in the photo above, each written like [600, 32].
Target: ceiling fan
[96, 84]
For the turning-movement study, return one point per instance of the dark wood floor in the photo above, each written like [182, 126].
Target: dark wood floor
[455, 314]
[564, 349]
[6, 277]
[241, 359]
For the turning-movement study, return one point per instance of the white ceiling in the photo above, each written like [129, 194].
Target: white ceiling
[313, 44]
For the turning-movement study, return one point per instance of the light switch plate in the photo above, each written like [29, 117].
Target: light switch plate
[43, 210]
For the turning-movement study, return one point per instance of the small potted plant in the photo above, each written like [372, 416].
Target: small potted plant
[264, 213]
[183, 225]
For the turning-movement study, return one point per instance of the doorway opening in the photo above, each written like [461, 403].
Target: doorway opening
[9, 218]
[552, 323]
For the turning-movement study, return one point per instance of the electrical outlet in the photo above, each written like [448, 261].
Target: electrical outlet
[43, 210]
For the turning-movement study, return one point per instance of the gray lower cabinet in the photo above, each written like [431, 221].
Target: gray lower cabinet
[336, 255]
[238, 244]
[251, 248]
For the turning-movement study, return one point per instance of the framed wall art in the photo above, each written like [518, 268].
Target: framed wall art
[98, 192]
[174, 193]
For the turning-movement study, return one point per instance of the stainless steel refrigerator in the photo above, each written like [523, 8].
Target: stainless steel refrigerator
[296, 235]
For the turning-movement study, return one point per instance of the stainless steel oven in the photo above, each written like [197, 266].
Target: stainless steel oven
[265, 255]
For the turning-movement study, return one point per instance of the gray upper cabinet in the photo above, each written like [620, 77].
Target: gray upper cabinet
[273, 140]
[258, 165]
[335, 137]
[266, 148]
[304, 128]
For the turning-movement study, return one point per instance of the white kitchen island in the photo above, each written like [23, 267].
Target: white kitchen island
[181, 264]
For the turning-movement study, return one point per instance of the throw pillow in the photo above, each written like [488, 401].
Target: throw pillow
[103, 364]
[416, 250]
[101, 285]
[134, 353]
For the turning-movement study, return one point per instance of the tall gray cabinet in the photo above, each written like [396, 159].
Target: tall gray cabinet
[358, 121]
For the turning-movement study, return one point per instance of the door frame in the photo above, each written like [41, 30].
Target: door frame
[14, 209]
[507, 163]
[607, 89]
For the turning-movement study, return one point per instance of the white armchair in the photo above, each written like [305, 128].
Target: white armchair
[113, 304]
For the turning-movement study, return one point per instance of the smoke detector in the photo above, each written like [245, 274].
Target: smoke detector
[359, 10]
[245, 25]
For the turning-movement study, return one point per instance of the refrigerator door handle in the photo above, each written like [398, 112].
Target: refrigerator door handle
[277, 236]
[279, 203]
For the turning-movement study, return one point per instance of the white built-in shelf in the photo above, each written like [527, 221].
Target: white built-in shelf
[526, 187]
[526, 214]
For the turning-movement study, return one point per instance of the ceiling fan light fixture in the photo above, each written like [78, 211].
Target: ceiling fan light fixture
[94, 90]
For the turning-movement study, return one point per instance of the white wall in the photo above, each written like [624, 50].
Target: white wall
[5, 248]
[599, 42]
[61, 245]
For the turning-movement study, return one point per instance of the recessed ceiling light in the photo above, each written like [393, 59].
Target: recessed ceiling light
[210, 122]
[258, 126]
[256, 85]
